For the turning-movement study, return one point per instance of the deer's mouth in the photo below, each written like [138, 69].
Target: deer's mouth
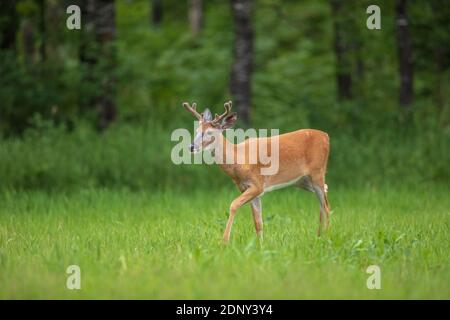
[194, 149]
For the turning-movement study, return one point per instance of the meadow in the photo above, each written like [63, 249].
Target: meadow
[166, 244]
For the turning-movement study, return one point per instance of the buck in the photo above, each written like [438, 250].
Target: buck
[302, 162]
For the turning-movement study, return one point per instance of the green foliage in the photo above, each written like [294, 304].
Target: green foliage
[158, 68]
[50, 90]
[139, 157]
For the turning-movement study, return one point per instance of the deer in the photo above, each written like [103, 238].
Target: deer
[302, 162]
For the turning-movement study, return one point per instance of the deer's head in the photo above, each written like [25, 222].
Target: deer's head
[209, 129]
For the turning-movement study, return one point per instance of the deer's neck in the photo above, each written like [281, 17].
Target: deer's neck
[225, 155]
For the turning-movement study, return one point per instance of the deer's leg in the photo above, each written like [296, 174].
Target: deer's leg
[257, 216]
[320, 190]
[246, 196]
[327, 206]
[306, 183]
[323, 223]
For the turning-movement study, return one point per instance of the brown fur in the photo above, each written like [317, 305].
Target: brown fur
[303, 156]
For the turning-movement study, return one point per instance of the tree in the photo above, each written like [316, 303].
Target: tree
[98, 54]
[42, 29]
[195, 16]
[8, 25]
[28, 42]
[156, 12]
[241, 72]
[342, 47]
[404, 50]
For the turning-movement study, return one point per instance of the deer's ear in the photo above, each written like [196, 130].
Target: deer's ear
[229, 121]
[207, 116]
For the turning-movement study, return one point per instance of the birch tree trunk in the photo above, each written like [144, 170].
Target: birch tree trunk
[195, 16]
[241, 72]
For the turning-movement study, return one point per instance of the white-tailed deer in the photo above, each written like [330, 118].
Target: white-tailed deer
[302, 162]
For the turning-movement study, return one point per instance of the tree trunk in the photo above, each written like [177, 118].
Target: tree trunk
[241, 72]
[8, 25]
[28, 42]
[404, 49]
[357, 44]
[195, 16]
[341, 50]
[98, 54]
[440, 71]
[42, 30]
[156, 12]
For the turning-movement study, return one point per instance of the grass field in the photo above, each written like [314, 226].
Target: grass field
[167, 245]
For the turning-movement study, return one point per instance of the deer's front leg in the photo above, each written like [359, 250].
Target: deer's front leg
[246, 196]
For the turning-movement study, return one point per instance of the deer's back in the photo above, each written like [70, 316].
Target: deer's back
[300, 153]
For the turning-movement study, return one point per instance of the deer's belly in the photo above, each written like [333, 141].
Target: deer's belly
[274, 186]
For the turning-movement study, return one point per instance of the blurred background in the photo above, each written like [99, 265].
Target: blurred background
[96, 107]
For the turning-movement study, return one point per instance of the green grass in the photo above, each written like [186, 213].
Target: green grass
[167, 245]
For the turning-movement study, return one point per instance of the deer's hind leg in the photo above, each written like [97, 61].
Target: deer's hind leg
[320, 189]
[305, 183]
[257, 217]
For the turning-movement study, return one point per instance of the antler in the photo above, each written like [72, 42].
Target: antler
[192, 109]
[217, 118]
